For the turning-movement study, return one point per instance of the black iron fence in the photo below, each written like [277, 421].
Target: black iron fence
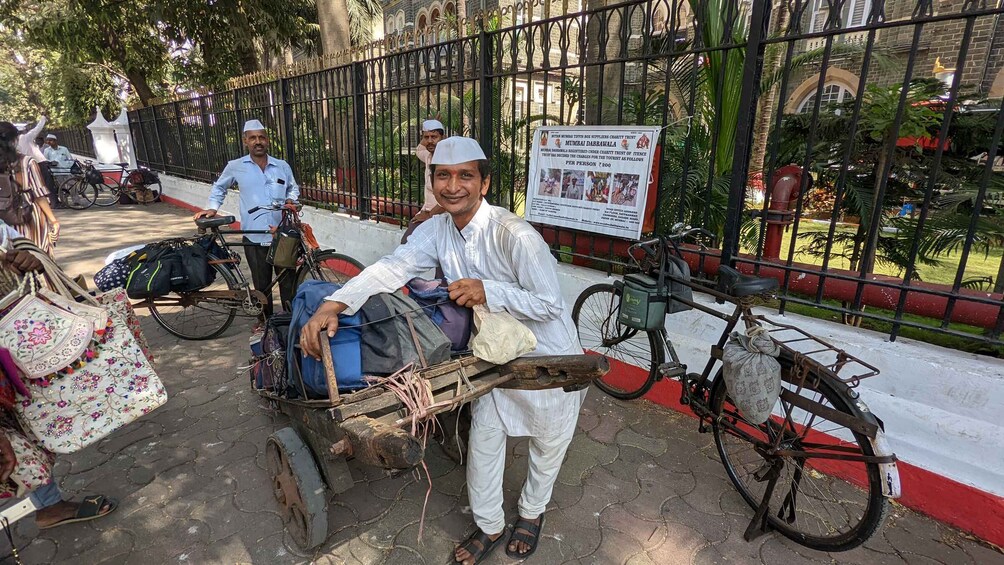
[848, 147]
[77, 139]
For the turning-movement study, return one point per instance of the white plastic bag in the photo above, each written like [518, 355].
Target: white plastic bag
[500, 338]
[752, 373]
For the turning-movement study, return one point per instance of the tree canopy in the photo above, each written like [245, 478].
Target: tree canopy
[67, 56]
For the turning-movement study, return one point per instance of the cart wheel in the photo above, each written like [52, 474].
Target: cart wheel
[298, 488]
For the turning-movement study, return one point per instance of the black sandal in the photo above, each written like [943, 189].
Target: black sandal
[89, 509]
[531, 538]
[487, 545]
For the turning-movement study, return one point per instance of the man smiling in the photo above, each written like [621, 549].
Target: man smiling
[491, 257]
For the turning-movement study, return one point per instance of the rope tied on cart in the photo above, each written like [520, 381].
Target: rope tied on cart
[415, 394]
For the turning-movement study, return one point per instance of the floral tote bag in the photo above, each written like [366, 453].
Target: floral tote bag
[109, 391]
[33, 469]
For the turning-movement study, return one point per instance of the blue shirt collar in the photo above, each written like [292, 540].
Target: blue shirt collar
[271, 160]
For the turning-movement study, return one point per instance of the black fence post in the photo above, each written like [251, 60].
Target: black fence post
[181, 139]
[204, 126]
[487, 97]
[288, 145]
[160, 138]
[363, 189]
[752, 68]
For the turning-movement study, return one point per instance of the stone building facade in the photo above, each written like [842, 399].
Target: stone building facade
[938, 44]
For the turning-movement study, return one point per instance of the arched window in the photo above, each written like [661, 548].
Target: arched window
[450, 10]
[434, 17]
[390, 28]
[423, 22]
[400, 20]
[833, 93]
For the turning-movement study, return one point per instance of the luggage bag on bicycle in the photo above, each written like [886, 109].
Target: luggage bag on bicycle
[645, 301]
[153, 270]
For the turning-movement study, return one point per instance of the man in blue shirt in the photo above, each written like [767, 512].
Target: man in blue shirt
[262, 180]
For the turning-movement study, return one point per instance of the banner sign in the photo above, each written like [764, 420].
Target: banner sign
[591, 178]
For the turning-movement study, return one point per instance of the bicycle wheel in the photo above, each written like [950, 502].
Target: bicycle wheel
[637, 355]
[824, 504]
[107, 193]
[331, 267]
[197, 317]
[77, 194]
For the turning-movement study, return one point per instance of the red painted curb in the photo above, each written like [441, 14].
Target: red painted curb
[963, 506]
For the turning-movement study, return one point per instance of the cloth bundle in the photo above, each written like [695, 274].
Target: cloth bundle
[752, 373]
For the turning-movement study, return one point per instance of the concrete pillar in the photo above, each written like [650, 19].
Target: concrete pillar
[105, 148]
[123, 139]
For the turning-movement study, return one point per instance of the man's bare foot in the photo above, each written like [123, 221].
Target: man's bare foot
[472, 550]
[68, 512]
[518, 547]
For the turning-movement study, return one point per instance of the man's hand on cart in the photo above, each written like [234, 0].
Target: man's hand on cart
[467, 292]
[326, 318]
[8, 461]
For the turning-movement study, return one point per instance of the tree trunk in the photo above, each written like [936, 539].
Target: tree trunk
[333, 17]
[765, 117]
[140, 83]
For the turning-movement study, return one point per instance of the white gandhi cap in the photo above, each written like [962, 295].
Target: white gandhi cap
[51, 136]
[253, 125]
[455, 150]
[432, 125]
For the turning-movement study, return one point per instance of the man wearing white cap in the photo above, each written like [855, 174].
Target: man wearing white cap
[495, 258]
[433, 131]
[262, 180]
[57, 153]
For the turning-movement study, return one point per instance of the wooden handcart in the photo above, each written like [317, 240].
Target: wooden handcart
[309, 458]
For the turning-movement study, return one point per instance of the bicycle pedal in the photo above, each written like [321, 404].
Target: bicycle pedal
[672, 372]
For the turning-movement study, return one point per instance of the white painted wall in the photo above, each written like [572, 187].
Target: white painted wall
[940, 406]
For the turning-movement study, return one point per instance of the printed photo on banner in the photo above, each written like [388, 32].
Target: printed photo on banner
[625, 190]
[573, 185]
[550, 181]
[592, 178]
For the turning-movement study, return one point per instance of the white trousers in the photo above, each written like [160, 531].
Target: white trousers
[486, 464]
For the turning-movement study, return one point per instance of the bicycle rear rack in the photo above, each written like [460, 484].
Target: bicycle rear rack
[827, 356]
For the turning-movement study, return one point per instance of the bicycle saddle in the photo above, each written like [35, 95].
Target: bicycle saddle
[214, 222]
[123, 165]
[740, 285]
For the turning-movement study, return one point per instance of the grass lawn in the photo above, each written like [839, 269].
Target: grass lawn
[978, 265]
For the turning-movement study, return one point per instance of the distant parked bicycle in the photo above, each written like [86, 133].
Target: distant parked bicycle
[80, 189]
[819, 469]
[141, 186]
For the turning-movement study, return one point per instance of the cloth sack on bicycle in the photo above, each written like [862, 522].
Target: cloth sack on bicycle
[452, 318]
[15, 207]
[500, 337]
[397, 332]
[752, 373]
[345, 347]
[285, 249]
[153, 271]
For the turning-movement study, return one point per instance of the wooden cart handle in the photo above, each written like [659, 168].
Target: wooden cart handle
[329, 366]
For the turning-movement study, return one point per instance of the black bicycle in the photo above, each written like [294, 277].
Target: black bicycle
[819, 469]
[209, 311]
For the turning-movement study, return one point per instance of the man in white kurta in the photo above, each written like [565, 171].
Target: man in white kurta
[490, 256]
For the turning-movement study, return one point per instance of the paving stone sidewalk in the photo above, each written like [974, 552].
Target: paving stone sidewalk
[640, 485]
